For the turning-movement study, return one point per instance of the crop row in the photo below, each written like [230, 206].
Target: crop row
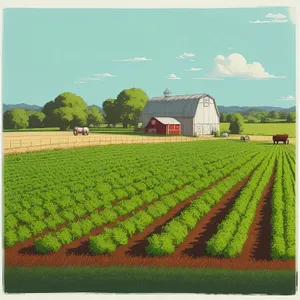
[175, 232]
[289, 209]
[58, 186]
[111, 238]
[233, 230]
[40, 214]
[34, 221]
[283, 211]
[52, 242]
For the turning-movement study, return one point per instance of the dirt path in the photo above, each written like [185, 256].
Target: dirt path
[195, 244]
[258, 245]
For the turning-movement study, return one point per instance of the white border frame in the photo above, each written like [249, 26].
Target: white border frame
[149, 4]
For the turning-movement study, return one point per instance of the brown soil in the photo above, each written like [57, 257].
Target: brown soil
[195, 244]
[258, 245]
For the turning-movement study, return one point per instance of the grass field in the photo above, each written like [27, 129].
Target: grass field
[265, 129]
[204, 206]
[147, 280]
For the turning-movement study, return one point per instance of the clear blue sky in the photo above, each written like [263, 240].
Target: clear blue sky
[50, 51]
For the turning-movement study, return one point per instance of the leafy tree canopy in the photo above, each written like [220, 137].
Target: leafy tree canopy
[67, 110]
[130, 103]
[15, 119]
[236, 123]
[36, 118]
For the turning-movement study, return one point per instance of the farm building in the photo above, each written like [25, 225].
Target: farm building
[163, 125]
[197, 113]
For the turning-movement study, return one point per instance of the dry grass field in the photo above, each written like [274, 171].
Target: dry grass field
[20, 142]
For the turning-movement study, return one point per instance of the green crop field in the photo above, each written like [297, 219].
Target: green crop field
[265, 129]
[147, 205]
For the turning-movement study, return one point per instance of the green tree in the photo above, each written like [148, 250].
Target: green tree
[36, 118]
[265, 119]
[67, 110]
[228, 118]
[223, 118]
[282, 115]
[236, 123]
[130, 103]
[273, 115]
[111, 112]
[252, 119]
[291, 117]
[94, 116]
[15, 119]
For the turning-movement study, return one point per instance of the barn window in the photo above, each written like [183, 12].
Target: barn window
[206, 102]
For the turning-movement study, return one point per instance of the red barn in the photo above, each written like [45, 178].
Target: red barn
[163, 125]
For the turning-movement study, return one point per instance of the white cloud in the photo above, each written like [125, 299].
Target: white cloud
[272, 21]
[134, 59]
[292, 14]
[209, 78]
[92, 79]
[275, 16]
[79, 82]
[105, 75]
[186, 55]
[194, 69]
[288, 98]
[192, 60]
[235, 65]
[230, 48]
[173, 76]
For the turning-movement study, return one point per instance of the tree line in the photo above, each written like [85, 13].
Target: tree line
[68, 110]
[262, 117]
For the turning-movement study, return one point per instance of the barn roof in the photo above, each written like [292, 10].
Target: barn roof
[166, 121]
[177, 106]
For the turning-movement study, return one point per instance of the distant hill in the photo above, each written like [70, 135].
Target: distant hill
[243, 109]
[32, 107]
[222, 109]
[100, 108]
[21, 105]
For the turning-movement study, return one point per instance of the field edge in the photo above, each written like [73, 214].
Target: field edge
[116, 279]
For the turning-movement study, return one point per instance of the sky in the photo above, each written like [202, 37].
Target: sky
[239, 56]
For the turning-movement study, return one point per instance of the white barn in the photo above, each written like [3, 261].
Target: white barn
[197, 113]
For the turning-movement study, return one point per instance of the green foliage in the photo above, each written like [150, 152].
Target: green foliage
[291, 117]
[15, 119]
[223, 118]
[112, 113]
[94, 117]
[236, 123]
[266, 120]
[35, 119]
[273, 115]
[66, 111]
[217, 133]
[130, 103]
[46, 244]
[57, 200]
[252, 119]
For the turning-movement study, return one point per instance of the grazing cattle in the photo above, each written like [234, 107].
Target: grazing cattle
[280, 138]
[82, 130]
[245, 138]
